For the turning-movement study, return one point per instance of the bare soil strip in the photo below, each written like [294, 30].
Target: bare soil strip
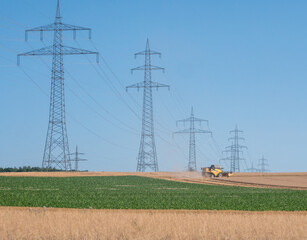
[48, 223]
[228, 182]
[297, 181]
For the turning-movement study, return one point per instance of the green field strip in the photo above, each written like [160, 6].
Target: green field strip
[133, 192]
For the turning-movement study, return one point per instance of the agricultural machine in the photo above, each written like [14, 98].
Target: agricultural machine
[215, 171]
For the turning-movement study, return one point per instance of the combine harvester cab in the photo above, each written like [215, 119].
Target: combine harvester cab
[215, 171]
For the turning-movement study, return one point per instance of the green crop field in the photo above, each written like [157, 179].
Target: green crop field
[131, 192]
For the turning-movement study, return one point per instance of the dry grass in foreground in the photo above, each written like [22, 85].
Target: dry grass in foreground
[38, 223]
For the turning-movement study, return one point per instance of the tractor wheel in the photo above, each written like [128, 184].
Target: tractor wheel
[220, 175]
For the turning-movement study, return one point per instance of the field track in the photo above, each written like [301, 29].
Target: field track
[297, 181]
[49, 223]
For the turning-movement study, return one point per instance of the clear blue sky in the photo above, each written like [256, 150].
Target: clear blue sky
[237, 62]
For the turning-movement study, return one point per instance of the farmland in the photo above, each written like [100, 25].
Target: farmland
[135, 192]
[260, 180]
[59, 224]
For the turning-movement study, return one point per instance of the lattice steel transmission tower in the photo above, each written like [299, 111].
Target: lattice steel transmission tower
[56, 153]
[235, 150]
[192, 131]
[252, 168]
[263, 163]
[77, 159]
[147, 157]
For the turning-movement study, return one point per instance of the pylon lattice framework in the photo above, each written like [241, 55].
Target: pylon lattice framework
[235, 150]
[263, 163]
[252, 168]
[147, 157]
[77, 159]
[56, 153]
[192, 131]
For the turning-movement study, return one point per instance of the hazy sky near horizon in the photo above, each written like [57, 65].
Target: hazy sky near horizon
[236, 62]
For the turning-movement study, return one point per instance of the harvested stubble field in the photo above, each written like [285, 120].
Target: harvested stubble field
[135, 192]
[61, 224]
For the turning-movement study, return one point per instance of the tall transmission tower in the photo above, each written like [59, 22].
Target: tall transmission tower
[147, 157]
[263, 163]
[235, 150]
[192, 131]
[77, 159]
[56, 153]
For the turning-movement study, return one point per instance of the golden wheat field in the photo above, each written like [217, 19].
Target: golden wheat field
[48, 223]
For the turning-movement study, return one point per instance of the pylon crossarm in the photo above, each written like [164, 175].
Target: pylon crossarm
[49, 51]
[137, 85]
[60, 26]
[41, 51]
[241, 147]
[158, 85]
[202, 131]
[238, 131]
[65, 51]
[183, 120]
[49, 27]
[69, 27]
[151, 67]
[239, 138]
[57, 26]
[138, 68]
[41, 29]
[147, 52]
[76, 51]
[200, 120]
[183, 131]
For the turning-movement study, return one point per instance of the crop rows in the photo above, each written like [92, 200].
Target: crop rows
[132, 192]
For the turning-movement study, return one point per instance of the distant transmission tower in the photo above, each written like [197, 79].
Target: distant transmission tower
[147, 157]
[235, 151]
[77, 159]
[56, 154]
[263, 163]
[252, 168]
[192, 131]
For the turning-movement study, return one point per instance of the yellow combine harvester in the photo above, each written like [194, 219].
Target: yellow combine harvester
[215, 171]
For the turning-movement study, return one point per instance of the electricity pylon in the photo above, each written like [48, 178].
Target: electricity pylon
[252, 168]
[147, 156]
[192, 131]
[56, 153]
[263, 163]
[235, 151]
[77, 159]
